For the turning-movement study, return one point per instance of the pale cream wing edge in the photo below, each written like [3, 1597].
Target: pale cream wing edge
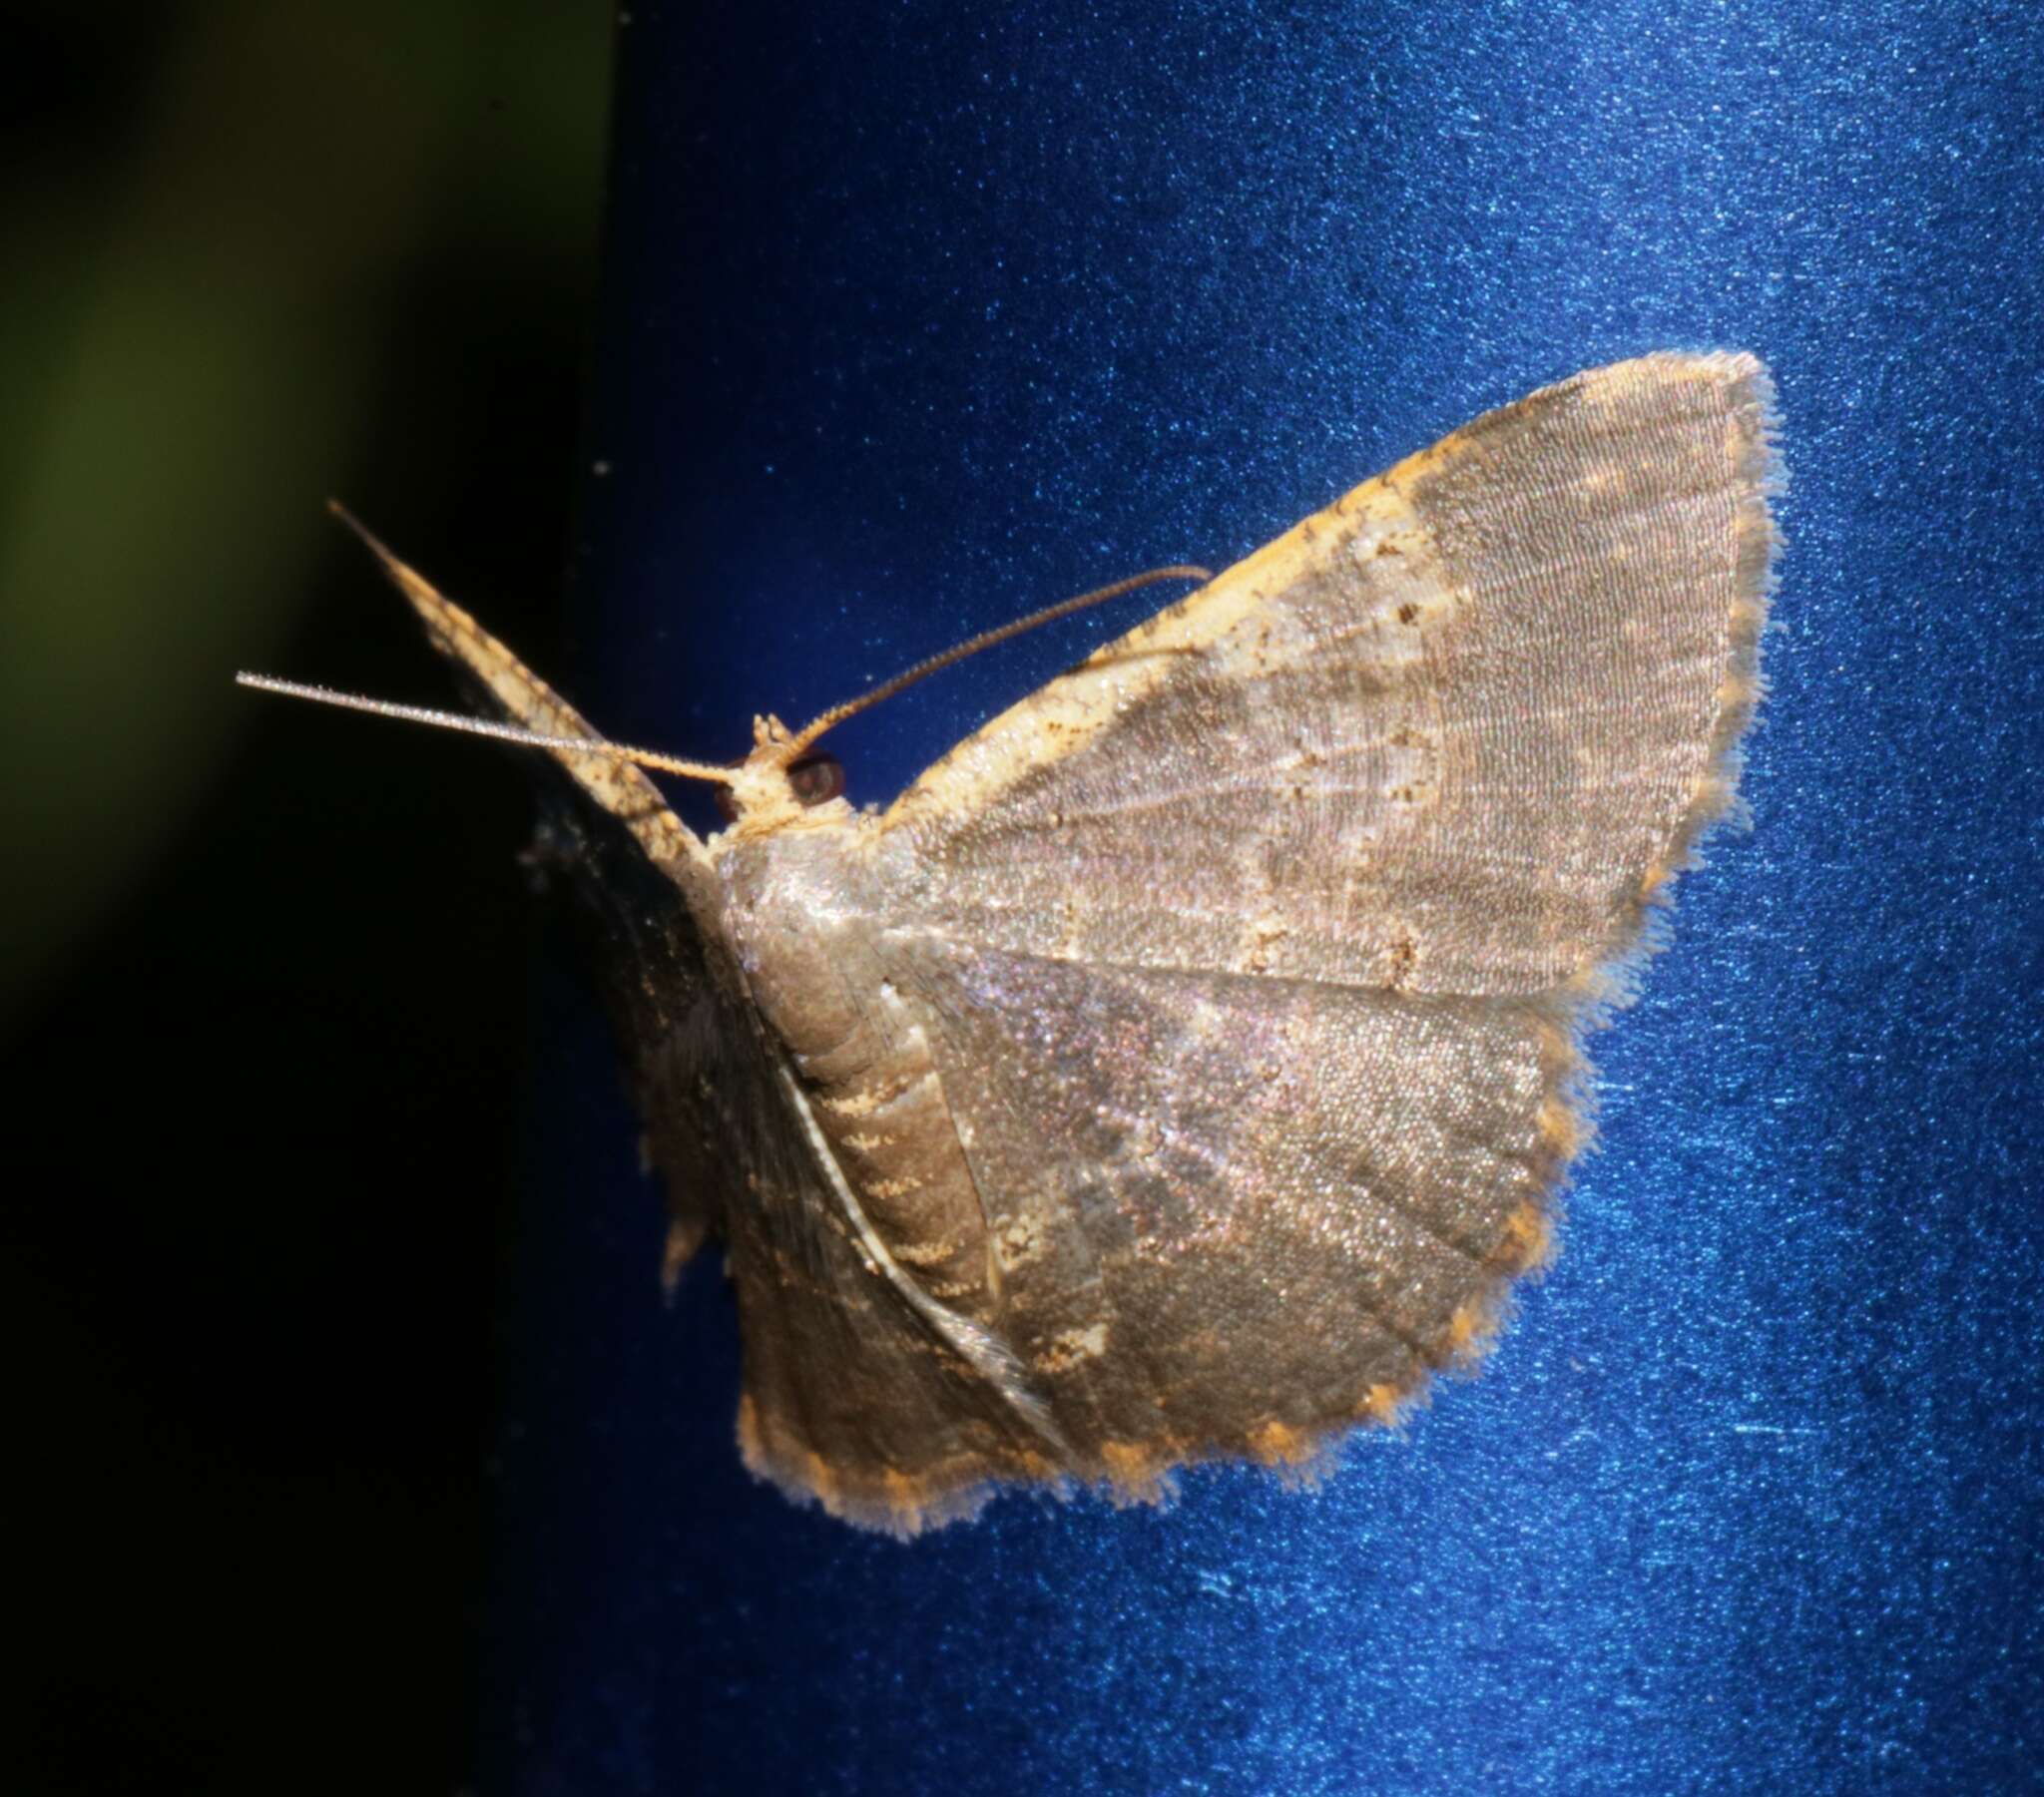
[1072, 710]
[1220, 618]
[616, 786]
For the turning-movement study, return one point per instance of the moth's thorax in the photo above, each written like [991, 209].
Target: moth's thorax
[801, 919]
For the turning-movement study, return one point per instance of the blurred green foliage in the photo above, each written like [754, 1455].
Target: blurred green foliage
[222, 215]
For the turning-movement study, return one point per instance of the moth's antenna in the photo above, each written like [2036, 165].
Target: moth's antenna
[483, 727]
[786, 750]
[432, 608]
[972, 646]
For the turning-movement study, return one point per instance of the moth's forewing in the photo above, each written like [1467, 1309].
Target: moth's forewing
[1257, 950]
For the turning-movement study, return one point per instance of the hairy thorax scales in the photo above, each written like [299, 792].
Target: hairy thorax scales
[805, 930]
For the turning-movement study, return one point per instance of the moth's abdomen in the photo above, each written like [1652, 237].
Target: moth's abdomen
[806, 947]
[882, 1108]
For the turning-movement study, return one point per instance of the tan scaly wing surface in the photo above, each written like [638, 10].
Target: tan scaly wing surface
[1259, 945]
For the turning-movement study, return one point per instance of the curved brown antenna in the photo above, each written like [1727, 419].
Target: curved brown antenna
[830, 720]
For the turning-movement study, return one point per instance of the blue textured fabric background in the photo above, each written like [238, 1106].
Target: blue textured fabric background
[921, 315]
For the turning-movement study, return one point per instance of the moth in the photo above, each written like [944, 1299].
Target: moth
[1184, 1066]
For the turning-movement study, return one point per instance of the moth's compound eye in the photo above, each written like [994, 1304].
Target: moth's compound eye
[817, 778]
[814, 779]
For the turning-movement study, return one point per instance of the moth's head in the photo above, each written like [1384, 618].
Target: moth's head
[782, 784]
[788, 783]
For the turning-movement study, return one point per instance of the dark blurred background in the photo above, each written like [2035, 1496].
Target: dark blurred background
[259, 254]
